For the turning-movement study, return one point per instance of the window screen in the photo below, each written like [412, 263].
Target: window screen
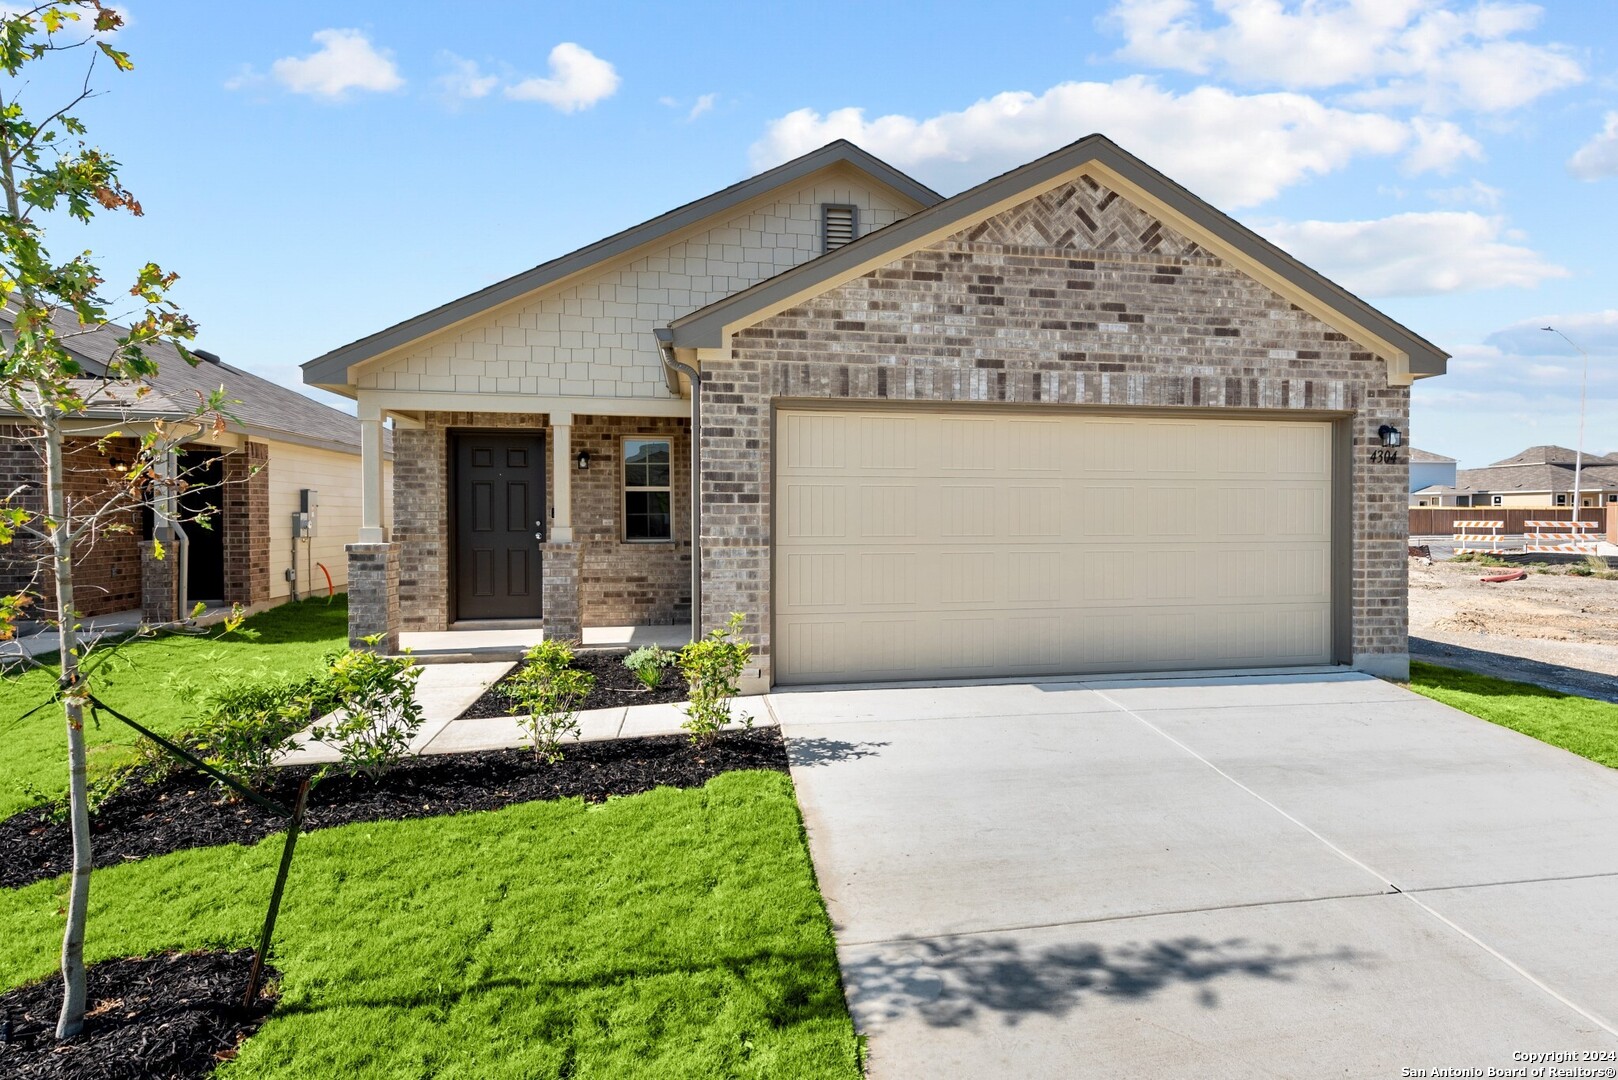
[648, 513]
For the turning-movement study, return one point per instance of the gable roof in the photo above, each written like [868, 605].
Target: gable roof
[706, 327]
[265, 409]
[1552, 455]
[1534, 478]
[1427, 457]
[331, 369]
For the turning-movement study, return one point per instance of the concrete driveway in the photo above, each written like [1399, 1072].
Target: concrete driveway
[1291, 876]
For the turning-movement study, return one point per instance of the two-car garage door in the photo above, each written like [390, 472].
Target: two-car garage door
[913, 544]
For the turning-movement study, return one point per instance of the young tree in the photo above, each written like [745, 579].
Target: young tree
[50, 173]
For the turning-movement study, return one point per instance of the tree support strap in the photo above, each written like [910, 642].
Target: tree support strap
[294, 826]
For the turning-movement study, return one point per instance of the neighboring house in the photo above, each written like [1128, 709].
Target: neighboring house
[1073, 419]
[1430, 470]
[1442, 495]
[1542, 476]
[248, 480]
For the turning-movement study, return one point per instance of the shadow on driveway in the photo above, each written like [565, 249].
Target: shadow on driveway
[949, 982]
[807, 753]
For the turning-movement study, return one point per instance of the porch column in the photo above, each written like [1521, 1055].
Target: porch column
[561, 531]
[561, 558]
[370, 473]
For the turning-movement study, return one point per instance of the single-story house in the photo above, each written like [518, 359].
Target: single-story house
[1430, 470]
[1073, 419]
[1542, 476]
[1443, 495]
[280, 454]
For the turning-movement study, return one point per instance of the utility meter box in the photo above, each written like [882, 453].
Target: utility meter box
[303, 526]
[308, 503]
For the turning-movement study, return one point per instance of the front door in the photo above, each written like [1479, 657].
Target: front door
[202, 517]
[499, 488]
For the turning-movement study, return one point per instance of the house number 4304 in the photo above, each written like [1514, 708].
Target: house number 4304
[1385, 456]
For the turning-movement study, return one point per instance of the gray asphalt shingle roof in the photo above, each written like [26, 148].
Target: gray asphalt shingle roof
[264, 408]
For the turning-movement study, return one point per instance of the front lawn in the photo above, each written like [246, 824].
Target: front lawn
[673, 934]
[139, 681]
[1585, 726]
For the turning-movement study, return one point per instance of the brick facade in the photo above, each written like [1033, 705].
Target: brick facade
[107, 570]
[1076, 297]
[373, 596]
[245, 505]
[617, 583]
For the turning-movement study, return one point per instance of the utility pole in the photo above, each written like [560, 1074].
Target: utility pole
[1578, 450]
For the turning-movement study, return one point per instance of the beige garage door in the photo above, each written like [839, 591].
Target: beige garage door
[964, 544]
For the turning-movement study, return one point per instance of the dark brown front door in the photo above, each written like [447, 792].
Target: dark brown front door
[499, 513]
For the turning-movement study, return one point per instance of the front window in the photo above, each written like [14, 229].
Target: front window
[647, 506]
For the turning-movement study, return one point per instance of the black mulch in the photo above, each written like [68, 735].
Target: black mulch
[185, 811]
[174, 1016]
[615, 685]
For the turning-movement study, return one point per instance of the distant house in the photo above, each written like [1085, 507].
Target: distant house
[1542, 476]
[1428, 470]
[250, 480]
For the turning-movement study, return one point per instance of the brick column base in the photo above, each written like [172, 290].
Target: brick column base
[373, 596]
[561, 564]
[160, 580]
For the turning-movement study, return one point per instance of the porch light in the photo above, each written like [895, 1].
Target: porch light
[1391, 436]
[584, 460]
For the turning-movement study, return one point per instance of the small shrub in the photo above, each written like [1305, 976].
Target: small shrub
[550, 690]
[712, 666]
[647, 663]
[376, 711]
[246, 723]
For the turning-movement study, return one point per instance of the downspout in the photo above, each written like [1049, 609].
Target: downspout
[672, 369]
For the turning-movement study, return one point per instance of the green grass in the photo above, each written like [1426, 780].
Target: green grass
[138, 680]
[672, 934]
[1585, 726]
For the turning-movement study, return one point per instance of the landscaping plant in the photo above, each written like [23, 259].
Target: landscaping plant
[49, 171]
[247, 722]
[713, 666]
[376, 713]
[647, 663]
[550, 691]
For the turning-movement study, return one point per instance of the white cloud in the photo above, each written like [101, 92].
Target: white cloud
[1474, 193]
[346, 60]
[1434, 54]
[705, 103]
[1232, 149]
[1598, 158]
[578, 79]
[465, 80]
[1417, 254]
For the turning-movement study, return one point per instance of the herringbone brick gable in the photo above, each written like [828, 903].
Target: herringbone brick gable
[1084, 215]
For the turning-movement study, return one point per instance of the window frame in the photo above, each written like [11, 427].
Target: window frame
[624, 489]
[1494, 500]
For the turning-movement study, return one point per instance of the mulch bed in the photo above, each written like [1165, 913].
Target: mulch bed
[615, 687]
[173, 1016]
[185, 811]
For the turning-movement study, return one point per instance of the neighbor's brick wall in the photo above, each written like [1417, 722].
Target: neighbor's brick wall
[245, 507]
[107, 569]
[1074, 297]
[620, 584]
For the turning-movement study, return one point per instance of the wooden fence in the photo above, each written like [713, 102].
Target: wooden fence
[1440, 521]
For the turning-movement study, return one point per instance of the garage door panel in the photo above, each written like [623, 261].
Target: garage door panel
[980, 545]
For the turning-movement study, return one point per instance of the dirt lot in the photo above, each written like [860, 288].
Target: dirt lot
[1557, 630]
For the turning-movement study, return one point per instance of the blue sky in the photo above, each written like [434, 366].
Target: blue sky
[316, 172]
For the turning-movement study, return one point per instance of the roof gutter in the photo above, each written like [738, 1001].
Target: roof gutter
[672, 370]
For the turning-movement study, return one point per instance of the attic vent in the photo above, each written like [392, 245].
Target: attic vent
[204, 354]
[838, 226]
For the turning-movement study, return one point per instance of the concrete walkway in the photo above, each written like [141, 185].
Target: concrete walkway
[444, 691]
[1292, 876]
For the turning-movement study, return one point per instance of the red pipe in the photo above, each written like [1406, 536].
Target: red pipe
[331, 590]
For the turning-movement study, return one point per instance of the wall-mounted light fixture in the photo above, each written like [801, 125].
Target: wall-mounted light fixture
[583, 460]
[1391, 436]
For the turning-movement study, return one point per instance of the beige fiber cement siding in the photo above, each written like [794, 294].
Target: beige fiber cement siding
[1075, 298]
[977, 542]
